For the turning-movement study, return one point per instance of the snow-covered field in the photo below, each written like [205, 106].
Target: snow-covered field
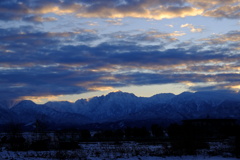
[51, 155]
[108, 151]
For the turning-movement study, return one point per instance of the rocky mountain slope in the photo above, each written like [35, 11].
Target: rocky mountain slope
[126, 107]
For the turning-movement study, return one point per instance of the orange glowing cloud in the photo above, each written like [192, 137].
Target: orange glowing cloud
[158, 13]
[149, 9]
[56, 9]
[192, 27]
[101, 88]
[236, 87]
[41, 99]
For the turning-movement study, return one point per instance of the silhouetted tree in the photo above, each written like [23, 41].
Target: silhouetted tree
[85, 134]
[119, 134]
[157, 131]
[237, 142]
[15, 138]
[41, 140]
[186, 139]
[128, 133]
[133, 133]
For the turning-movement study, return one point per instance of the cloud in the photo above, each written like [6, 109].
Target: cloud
[32, 11]
[116, 22]
[156, 34]
[104, 9]
[54, 7]
[232, 12]
[232, 36]
[170, 25]
[36, 63]
[39, 19]
[92, 23]
[139, 10]
[27, 40]
[144, 37]
[9, 10]
[230, 39]
[219, 8]
[192, 27]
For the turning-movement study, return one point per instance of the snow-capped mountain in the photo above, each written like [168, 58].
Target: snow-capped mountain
[7, 103]
[205, 104]
[114, 106]
[121, 107]
[28, 112]
[62, 106]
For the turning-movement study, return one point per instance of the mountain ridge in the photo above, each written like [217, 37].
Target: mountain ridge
[123, 106]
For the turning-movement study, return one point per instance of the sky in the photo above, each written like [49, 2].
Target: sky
[70, 49]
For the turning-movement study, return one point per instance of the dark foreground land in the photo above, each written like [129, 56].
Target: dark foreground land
[196, 139]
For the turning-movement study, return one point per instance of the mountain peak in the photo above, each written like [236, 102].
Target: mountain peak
[120, 105]
[120, 93]
[26, 102]
[163, 95]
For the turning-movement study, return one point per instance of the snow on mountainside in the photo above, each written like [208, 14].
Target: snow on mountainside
[211, 97]
[62, 106]
[6, 116]
[27, 112]
[205, 104]
[120, 106]
[7, 103]
[113, 106]
[161, 98]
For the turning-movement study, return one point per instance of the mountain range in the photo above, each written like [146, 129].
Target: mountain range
[120, 109]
